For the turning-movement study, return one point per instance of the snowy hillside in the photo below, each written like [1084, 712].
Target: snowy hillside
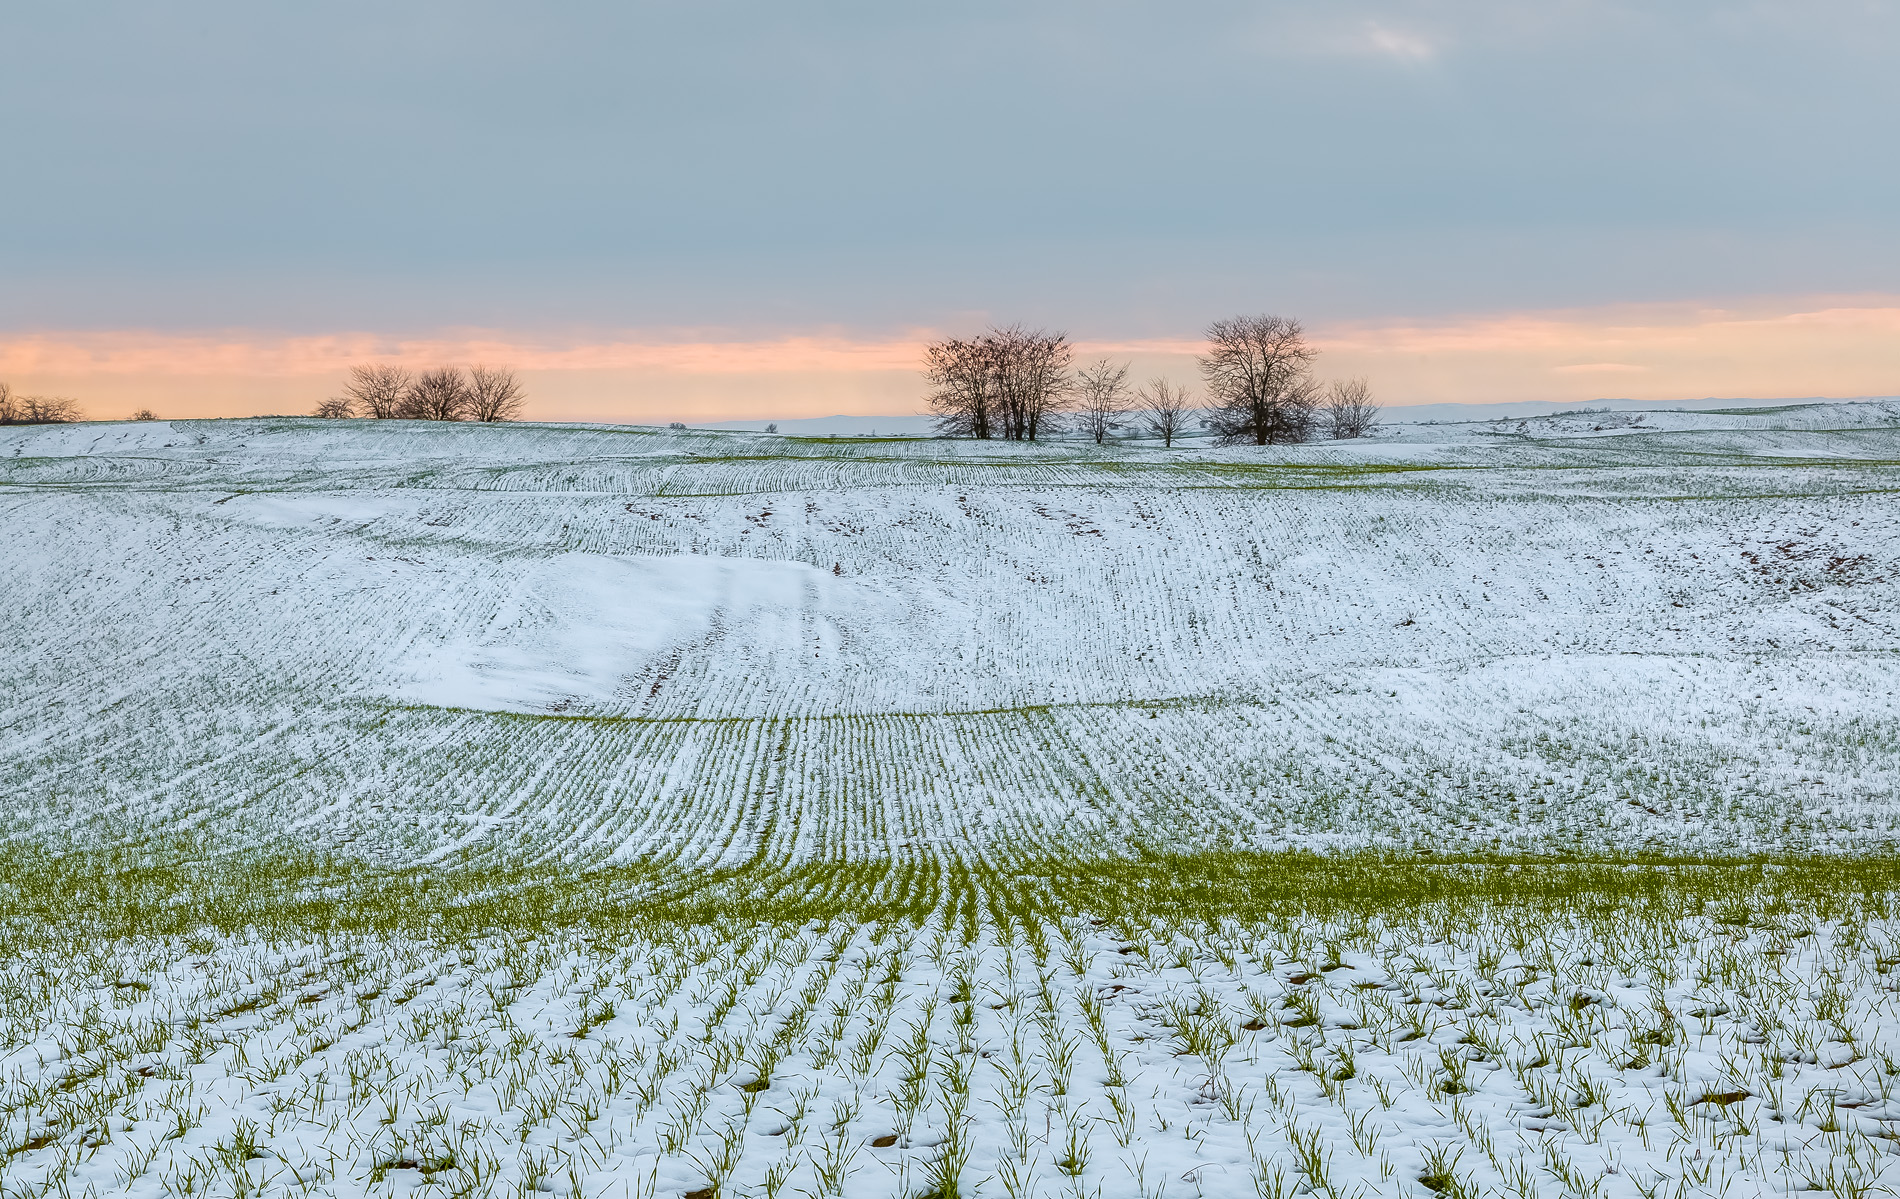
[605, 644]
[422, 810]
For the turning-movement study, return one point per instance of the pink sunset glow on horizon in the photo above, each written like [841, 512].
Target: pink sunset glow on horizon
[1838, 346]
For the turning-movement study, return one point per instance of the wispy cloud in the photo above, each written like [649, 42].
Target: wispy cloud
[1332, 33]
[1403, 44]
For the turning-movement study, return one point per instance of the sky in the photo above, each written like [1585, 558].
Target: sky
[714, 210]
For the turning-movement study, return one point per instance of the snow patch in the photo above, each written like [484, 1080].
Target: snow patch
[577, 626]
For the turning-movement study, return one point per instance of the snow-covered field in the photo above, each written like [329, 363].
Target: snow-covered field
[395, 807]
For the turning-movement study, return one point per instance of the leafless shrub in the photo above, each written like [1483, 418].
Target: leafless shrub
[1165, 410]
[1256, 372]
[1350, 409]
[336, 408]
[494, 394]
[1101, 397]
[145, 414]
[438, 394]
[678, 426]
[1007, 383]
[378, 391]
[17, 409]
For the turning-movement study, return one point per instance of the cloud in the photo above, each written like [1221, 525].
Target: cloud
[1333, 34]
[1404, 45]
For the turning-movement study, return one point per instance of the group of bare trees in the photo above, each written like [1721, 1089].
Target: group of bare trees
[381, 392]
[1016, 383]
[1007, 383]
[17, 409]
[1258, 371]
[1102, 402]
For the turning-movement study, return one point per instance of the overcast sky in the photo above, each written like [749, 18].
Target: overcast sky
[866, 171]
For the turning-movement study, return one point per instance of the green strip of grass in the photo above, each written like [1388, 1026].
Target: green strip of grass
[47, 896]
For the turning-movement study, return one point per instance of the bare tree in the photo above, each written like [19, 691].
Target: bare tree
[145, 414]
[378, 391]
[1007, 383]
[494, 394]
[438, 394]
[1256, 372]
[17, 409]
[1165, 410]
[1101, 397]
[336, 408]
[1350, 409]
[55, 409]
[960, 398]
[1032, 378]
[52, 410]
[1297, 415]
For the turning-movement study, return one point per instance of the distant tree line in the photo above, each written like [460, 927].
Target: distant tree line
[17, 409]
[1015, 384]
[380, 392]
